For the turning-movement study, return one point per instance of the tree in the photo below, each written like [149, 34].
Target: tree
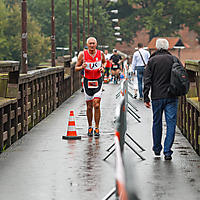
[41, 11]
[38, 45]
[3, 22]
[159, 17]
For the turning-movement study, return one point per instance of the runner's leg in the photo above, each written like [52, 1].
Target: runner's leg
[97, 112]
[89, 112]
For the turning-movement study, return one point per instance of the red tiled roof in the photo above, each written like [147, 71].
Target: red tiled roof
[172, 42]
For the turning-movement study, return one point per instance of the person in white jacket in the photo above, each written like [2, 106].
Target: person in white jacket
[139, 61]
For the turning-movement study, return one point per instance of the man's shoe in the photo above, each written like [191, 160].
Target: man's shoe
[168, 157]
[82, 90]
[135, 96]
[157, 153]
[96, 133]
[90, 131]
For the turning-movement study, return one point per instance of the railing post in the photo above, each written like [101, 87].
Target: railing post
[1, 129]
[93, 17]
[78, 28]
[70, 28]
[24, 61]
[72, 79]
[26, 106]
[53, 37]
[88, 18]
[83, 23]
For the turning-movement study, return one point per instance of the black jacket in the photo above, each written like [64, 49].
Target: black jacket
[157, 75]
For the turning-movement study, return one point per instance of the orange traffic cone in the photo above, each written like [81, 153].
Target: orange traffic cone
[105, 79]
[71, 131]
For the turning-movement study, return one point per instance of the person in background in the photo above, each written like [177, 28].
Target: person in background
[135, 83]
[157, 79]
[116, 61]
[82, 74]
[92, 61]
[108, 65]
[132, 77]
[139, 61]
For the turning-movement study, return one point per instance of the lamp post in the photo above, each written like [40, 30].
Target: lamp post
[117, 28]
[83, 23]
[70, 28]
[78, 28]
[115, 20]
[117, 33]
[53, 37]
[119, 39]
[24, 61]
[114, 11]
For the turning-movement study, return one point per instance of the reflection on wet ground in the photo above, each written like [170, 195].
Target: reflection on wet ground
[42, 166]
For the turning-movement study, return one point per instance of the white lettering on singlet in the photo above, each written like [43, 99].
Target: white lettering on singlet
[93, 65]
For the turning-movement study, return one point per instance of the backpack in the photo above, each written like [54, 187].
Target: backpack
[179, 81]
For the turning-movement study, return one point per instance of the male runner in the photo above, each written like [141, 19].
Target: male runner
[92, 61]
[116, 60]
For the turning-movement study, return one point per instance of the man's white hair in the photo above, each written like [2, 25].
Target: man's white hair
[91, 38]
[162, 44]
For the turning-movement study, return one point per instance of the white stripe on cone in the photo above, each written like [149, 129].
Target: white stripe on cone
[71, 128]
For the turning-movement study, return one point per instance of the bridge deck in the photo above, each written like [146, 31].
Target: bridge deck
[42, 166]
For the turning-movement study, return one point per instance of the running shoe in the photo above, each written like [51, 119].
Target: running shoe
[96, 133]
[90, 131]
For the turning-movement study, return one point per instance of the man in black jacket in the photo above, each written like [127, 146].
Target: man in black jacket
[157, 78]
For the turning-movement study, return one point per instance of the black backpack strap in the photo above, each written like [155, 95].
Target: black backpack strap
[142, 58]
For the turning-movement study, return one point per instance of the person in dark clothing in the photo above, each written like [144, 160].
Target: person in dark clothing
[157, 78]
[116, 61]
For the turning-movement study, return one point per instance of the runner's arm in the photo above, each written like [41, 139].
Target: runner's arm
[103, 60]
[80, 65]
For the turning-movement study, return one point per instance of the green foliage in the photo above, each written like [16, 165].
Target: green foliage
[3, 22]
[104, 31]
[10, 36]
[160, 17]
[41, 10]
[38, 45]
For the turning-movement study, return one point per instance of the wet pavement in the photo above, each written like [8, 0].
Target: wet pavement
[42, 166]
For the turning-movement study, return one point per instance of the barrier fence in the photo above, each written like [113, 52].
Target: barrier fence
[124, 188]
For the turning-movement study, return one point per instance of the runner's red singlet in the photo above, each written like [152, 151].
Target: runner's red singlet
[93, 65]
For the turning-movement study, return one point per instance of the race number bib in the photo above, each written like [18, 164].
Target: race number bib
[115, 66]
[93, 84]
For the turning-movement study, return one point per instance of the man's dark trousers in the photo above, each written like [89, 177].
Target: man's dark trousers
[169, 106]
